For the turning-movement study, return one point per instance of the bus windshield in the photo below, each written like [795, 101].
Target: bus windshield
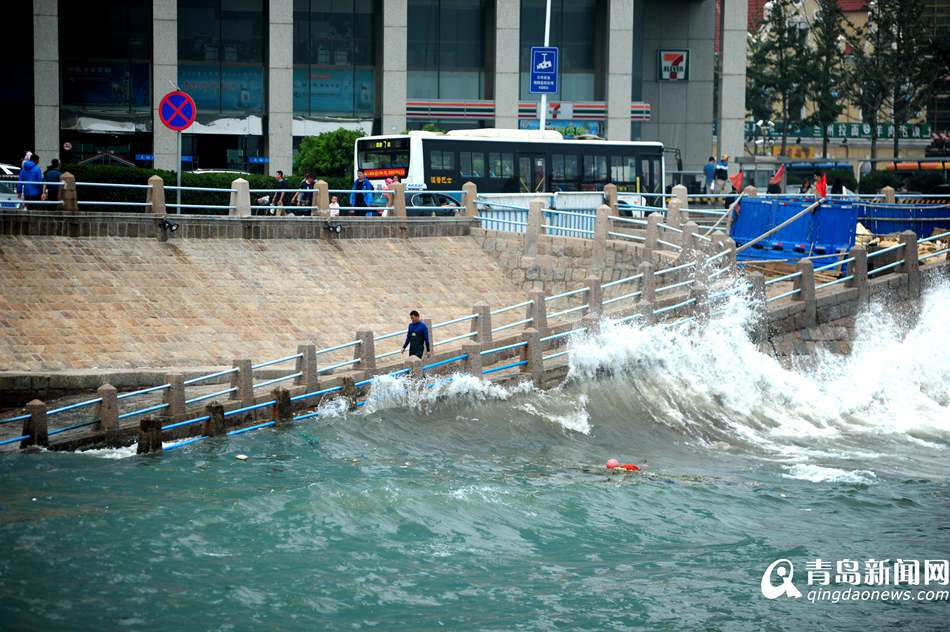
[383, 157]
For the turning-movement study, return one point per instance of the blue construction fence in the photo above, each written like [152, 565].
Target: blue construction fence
[829, 229]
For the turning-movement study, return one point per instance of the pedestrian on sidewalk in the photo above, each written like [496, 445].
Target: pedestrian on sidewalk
[280, 197]
[417, 337]
[304, 198]
[722, 173]
[30, 185]
[709, 172]
[361, 196]
[52, 175]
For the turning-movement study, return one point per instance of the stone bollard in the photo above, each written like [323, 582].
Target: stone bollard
[283, 408]
[858, 270]
[806, 283]
[911, 265]
[473, 360]
[645, 309]
[150, 436]
[699, 292]
[350, 391]
[537, 312]
[595, 296]
[35, 425]
[688, 240]
[414, 364]
[533, 230]
[532, 353]
[591, 323]
[469, 195]
[67, 193]
[889, 194]
[155, 195]
[681, 193]
[215, 423]
[601, 227]
[240, 198]
[108, 410]
[428, 323]
[731, 257]
[243, 381]
[366, 350]
[653, 233]
[647, 292]
[174, 396]
[323, 197]
[610, 198]
[399, 200]
[481, 325]
[306, 365]
[673, 215]
[760, 325]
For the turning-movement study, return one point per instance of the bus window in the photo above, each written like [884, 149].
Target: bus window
[595, 168]
[500, 165]
[472, 164]
[442, 160]
[622, 169]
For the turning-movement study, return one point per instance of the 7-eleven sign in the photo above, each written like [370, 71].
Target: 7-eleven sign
[673, 65]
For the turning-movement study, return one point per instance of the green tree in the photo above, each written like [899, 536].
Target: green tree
[829, 81]
[870, 73]
[759, 99]
[329, 154]
[786, 59]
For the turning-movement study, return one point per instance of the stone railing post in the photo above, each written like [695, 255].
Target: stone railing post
[306, 365]
[240, 198]
[243, 381]
[481, 325]
[806, 283]
[911, 265]
[610, 198]
[760, 324]
[283, 408]
[682, 194]
[399, 199]
[155, 195]
[35, 426]
[688, 240]
[323, 197]
[731, 257]
[653, 233]
[595, 296]
[673, 215]
[469, 195]
[858, 270]
[67, 193]
[150, 436]
[108, 409]
[601, 226]
[532, 353]
[366, 350]
[537, 311]
[428, 322]
[699, 292]
[750, 191]
[889, 194]
[533, 230]
[174, 396]
[591, 323]
[473, 360]
[215, 423]
[647, 291]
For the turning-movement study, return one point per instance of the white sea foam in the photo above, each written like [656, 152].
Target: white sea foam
[115, 453]
[819, 474]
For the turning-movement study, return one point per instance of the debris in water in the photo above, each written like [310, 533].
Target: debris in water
[242, 457]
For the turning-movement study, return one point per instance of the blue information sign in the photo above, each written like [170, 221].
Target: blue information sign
[543, 70]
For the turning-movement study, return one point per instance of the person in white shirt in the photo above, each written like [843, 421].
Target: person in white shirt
[334, 207]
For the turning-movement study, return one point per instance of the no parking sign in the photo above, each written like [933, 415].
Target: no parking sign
[177, 110]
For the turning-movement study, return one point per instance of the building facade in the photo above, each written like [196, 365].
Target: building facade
[266, 73]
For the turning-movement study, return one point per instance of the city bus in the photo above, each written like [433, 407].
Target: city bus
[511, 161]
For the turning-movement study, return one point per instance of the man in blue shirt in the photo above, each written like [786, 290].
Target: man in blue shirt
[30, 186]
[362, 195]
[709, 172]
[417, 337]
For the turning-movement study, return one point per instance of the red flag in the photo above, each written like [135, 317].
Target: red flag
[821, 185]
[736, 181]
[777, 178]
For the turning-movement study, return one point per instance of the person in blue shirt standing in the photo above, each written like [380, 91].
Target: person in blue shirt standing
[709, 172]
[362, 193]
[30, 186]
[417, 337]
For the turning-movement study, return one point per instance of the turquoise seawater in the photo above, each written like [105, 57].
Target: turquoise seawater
[477, 508]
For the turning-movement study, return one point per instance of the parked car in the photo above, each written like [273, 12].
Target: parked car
[442, 205]
[9, 175]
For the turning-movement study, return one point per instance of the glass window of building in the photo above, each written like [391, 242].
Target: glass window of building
[335, 46]
[221, 58]
[577, 29]
[105, 49]
[448, 45]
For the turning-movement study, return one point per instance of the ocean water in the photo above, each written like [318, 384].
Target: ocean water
[465, 506]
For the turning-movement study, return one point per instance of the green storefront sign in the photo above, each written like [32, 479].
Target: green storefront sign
[911, 131]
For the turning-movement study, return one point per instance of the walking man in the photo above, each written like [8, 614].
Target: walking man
[709, 173]
[417, 337]
[30, 186]
[280, 199]
[362, 193]
[304, 196]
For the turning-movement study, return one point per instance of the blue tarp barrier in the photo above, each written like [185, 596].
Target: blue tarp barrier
[882, 219]
[829, 229]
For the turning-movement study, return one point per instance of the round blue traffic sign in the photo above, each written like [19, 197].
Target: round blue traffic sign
[177, 110]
